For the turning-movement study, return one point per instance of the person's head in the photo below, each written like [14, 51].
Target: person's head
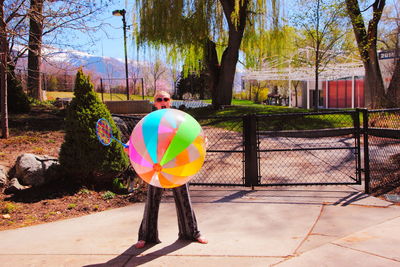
[162, 100]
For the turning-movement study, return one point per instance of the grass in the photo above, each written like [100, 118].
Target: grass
[243, 107]
[8, 208]
[271, 117]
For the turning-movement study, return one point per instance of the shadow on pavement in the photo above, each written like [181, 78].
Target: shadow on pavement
[134, 257]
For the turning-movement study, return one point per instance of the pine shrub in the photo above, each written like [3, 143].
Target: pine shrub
[17, 100]
[82, 157]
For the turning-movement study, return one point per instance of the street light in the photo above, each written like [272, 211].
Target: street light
[122, 13]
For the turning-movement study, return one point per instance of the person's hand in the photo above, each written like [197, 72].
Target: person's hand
[126, 149]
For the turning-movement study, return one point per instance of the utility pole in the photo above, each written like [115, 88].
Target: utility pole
[122, 13]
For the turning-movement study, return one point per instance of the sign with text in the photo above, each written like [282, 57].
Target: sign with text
[388, 54]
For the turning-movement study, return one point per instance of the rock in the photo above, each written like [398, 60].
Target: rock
[121, 124]
[30, 169]
[14, 187]
[3, 176]
[62, 102]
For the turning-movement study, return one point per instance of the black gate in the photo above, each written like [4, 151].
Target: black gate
[309, 149]
[278, 149]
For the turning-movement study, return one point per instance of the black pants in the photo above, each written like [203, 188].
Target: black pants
[186, 218]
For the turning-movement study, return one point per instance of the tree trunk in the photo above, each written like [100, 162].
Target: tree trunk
[373, 86]
[3, 74]
[35, 49]
[393, 91]
[366, 41]
[213, 67]
[223, 90]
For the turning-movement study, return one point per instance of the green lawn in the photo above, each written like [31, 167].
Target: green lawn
[243, 107]
[225, 118]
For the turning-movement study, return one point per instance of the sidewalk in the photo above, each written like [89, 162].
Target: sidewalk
[299, 226]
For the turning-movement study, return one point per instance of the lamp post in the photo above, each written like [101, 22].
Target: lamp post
[122, 13]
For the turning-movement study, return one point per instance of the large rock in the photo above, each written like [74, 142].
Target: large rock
[14, 187]
[3, 175]
[121, 124]
[30, 169]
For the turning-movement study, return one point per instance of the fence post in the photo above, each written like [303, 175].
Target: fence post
[102, 89]
[358, 132]
[250, 150]
[366, 151]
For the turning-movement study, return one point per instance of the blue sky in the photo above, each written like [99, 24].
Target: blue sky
[111, 41]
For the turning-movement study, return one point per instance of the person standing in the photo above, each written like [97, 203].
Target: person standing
[187, 223]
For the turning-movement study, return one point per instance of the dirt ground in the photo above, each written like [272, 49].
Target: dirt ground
[41, 132]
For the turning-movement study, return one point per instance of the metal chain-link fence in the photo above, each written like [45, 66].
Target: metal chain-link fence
[224, 161]
[383, 144]
[224, 164]
[279, 149]
[309, 148]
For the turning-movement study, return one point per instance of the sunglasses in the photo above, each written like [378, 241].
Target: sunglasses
[165, 99]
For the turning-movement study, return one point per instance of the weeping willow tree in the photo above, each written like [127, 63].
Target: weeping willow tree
[209, 33]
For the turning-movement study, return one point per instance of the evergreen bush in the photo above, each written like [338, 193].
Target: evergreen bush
[17, 100]
[82, 157]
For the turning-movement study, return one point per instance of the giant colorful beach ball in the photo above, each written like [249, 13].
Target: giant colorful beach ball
[167, 147]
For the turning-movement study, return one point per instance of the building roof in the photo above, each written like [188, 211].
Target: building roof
[331, 72]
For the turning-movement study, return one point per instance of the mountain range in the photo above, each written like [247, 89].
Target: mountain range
[58, 61]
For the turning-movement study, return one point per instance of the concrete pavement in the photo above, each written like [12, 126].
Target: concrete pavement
[299, 226]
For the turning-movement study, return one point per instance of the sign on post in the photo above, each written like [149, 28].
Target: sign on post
[388, 54]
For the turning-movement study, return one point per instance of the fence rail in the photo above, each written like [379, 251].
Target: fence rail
[268, 150]
[282, 149]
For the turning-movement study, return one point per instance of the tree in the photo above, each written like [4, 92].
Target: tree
[392, 41]
[157, 70]
[321, 22]
[53, 83]
[3, 74]
[47, 25]
[367, 37]
[193, 84]
[134, 74]
[201, 30]
[82, 157]
[35, 49]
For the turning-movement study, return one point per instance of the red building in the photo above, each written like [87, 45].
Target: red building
[343, 93]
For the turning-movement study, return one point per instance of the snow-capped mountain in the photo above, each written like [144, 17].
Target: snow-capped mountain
[68, 61]
[99, 65]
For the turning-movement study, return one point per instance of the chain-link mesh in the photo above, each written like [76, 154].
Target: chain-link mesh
[126, 125]
[224, 161]
[309, 148]
[295, 149]
[384, 150]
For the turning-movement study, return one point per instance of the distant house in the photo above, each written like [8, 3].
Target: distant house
[340, 85]
[346, 92]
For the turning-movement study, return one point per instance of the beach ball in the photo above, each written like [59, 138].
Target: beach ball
[167, 147]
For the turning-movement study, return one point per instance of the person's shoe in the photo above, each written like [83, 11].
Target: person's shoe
[140, 244]
[202, 240]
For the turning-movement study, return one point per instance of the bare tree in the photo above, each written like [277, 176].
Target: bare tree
[51, 24]
[134, 74]
[321, 24]
[3, 73]
[157, 69]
